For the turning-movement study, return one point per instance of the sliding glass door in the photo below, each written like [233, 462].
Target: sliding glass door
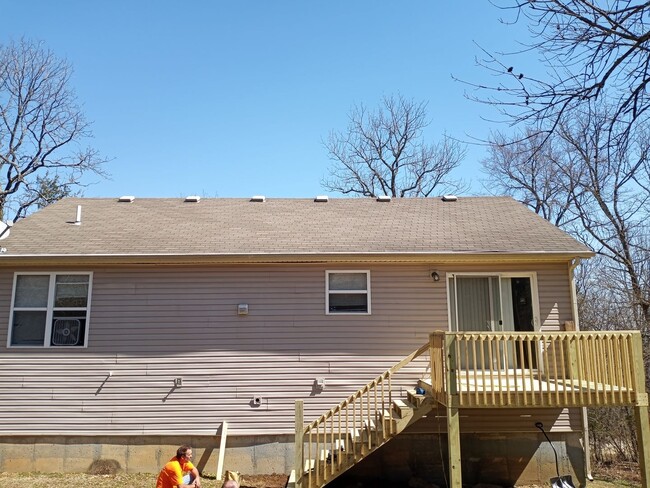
[494, 303]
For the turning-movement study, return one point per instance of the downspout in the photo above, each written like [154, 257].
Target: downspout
[573, 264]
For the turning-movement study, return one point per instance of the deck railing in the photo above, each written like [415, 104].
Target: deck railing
[349, 431]
[555, 369]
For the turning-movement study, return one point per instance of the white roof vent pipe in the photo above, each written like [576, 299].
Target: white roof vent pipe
[193, 198]
[449, 198]
[258, 198]
[126, 198]
[77, 220]
[321, 198]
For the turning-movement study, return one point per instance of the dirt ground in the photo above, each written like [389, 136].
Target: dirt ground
[122, 480]
[605, 477]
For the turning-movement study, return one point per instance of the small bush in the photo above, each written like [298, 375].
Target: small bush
[104, 466]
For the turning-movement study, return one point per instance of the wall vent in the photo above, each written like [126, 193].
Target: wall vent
[449, 198]
[126, 198]
[258, 198]
[321, 198]
[383, 198]
[193, 198]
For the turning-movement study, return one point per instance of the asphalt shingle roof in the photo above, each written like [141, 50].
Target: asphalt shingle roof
[224, 226]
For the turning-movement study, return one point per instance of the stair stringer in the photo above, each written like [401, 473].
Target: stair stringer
[351, 458]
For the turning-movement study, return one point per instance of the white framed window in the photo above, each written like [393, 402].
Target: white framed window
[50, 310]
[347, 292]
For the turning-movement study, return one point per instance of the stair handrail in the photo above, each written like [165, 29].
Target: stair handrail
[350, 400]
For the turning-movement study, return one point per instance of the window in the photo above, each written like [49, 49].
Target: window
[348, 292]
[50, 309]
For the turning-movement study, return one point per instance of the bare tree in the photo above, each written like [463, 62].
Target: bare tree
[587, 51]
[524, 166]
[41, 130]
[382, 153]
[604, 195]
[611, 199]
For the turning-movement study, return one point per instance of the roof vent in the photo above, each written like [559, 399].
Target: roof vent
[321, 198]
[383, 198]
[126, 198]
[258, 198]
[193, 198]
[449, 198]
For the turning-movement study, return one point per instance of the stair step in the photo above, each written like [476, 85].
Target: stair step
[291, 482]
[416, 399]
[339, 444]
[309, 465]
[425, 384]
[355, 435]
[369, 424]
[403, 408]
[387, 419]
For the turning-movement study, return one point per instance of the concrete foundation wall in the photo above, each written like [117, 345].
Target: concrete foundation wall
[144, 454]
[489, 458]
[505, 460]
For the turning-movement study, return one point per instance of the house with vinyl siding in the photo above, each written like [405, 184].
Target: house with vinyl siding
[135, 325]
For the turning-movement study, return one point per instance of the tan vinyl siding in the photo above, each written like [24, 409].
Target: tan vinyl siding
[150, 325]
[554, 296]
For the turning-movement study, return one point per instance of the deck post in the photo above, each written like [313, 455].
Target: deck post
[641, 411]
[453, 423]
[643, 440]
[453, 440]
[298, 461]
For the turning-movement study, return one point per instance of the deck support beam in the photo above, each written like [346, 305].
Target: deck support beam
[453, 441]
[453, 422]
[641, 412]
[643, 442]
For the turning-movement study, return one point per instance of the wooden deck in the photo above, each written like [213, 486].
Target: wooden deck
[570, 369]
[517, 388]
[539, 370]
[479, 370]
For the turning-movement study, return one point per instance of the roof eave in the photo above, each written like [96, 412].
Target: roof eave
[280, 258]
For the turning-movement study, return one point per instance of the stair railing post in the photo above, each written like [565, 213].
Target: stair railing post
[299, 461]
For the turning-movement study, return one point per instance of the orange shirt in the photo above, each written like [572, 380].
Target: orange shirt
[171, 476]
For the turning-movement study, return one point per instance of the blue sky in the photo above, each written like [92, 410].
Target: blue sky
[234, 99]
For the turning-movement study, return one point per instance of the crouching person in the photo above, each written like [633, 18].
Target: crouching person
[179, 472]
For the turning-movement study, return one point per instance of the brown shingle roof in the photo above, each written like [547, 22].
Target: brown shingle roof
[220, 226]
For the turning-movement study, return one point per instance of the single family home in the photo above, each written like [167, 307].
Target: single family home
[316, 330]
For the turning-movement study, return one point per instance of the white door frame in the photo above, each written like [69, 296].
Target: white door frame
[532, 275]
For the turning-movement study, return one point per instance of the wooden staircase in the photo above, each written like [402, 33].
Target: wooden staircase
[356, 427]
